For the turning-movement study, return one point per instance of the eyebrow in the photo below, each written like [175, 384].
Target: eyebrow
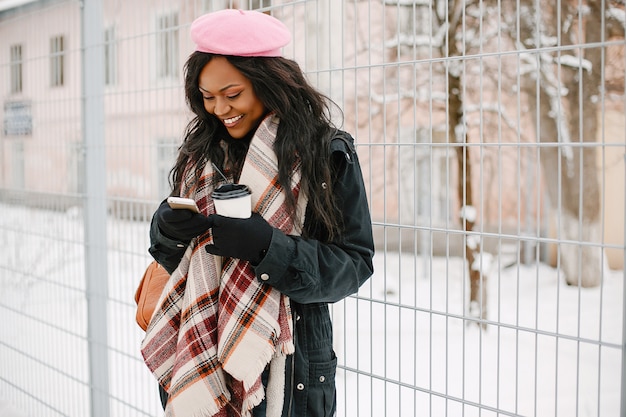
[222, 89]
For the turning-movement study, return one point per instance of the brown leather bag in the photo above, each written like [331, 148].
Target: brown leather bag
[148, 292]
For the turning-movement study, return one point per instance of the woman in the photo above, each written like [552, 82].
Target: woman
[245, 326]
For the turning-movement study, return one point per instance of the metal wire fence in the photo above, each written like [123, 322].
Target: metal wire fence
[492, 137]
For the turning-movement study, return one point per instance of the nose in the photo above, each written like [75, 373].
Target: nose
[221, 106]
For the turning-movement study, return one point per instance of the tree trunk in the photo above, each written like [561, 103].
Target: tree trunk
[457, 135]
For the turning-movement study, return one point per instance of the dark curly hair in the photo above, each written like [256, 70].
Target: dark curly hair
[304, 132]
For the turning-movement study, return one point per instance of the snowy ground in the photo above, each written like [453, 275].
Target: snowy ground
[517, 365]
[405, 329]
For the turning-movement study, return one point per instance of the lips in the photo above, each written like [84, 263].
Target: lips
[232, 120]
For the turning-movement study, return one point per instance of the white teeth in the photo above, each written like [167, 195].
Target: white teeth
[233, 120]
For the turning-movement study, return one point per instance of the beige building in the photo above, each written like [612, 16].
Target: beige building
[365, 55]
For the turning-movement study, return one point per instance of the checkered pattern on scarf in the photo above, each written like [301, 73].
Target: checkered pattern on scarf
[218, 327]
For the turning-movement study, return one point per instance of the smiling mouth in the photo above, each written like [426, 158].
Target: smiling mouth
[232, 120]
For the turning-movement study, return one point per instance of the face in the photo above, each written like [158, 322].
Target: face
[229, 96]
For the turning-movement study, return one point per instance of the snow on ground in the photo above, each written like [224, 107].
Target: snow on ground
[406, 328]
[419, 337]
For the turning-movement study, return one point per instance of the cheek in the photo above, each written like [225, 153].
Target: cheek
[207, 106]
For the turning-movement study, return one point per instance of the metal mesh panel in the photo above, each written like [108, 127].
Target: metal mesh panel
[491, 136]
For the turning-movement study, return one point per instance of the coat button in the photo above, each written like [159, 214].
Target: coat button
[300, 386]
[322, 378]
[180, 245]
[265, 276]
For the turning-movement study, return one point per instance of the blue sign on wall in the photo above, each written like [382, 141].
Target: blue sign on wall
[18, 119]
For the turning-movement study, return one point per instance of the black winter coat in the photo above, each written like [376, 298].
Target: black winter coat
[312, 274]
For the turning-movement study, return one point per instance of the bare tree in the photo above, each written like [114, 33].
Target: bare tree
[561, 75]
[451, 15]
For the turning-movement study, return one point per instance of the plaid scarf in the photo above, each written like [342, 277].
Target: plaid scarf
[217, 327]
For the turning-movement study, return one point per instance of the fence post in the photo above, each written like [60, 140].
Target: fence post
[623, 391]
[95, 205]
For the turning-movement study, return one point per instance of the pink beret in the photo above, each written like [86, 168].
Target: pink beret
[239, 33]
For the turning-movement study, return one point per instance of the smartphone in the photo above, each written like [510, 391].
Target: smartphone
[183, 203]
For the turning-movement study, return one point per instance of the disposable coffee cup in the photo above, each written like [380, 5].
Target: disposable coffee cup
[233, 200]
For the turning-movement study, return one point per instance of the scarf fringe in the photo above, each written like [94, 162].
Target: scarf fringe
[253, 371]
[202, 412]
[286, 348]
[207, 410]
[252, 400]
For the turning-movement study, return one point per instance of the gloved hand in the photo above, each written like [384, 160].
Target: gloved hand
[246, 239]
[180, 224]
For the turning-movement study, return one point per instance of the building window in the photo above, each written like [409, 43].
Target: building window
[110, 56]
[167, 46]
[214, 5]
[416, 26]
[259, 4]
[167, 148]
[57, 58]
[16, 68]
[424, 175]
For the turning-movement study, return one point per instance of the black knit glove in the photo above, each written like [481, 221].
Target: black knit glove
[180, 224]
[246, 239]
